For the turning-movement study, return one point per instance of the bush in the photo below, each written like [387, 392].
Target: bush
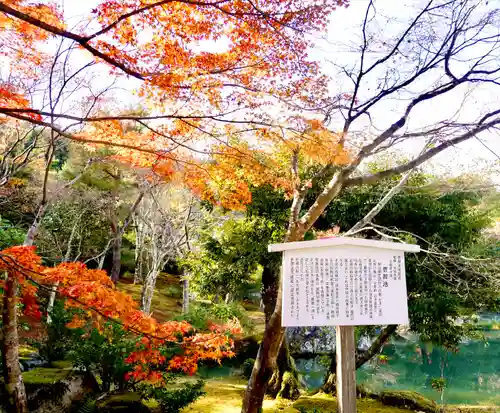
[59, 339]
[174, 291]
[173, 400]
[10, 235]
[200, 315]
[103, 354]
[247, 367]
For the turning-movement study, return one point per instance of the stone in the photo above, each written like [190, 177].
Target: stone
[408, 399]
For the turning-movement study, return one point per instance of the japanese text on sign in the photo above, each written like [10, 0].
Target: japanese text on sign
[355, 286]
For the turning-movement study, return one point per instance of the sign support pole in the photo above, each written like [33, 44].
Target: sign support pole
[346, 369]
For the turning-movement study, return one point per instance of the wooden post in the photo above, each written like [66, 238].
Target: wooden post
[346, 369]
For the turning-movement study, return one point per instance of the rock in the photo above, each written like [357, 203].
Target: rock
[408, 399]
[364, 343]
[317, 340]
[122, 402]
[52, 390]
[246, 347]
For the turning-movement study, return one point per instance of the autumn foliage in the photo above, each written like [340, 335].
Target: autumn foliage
[234, 168]
[93, 292]
[214, 76]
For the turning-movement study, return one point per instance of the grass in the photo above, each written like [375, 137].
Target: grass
[224, 395]
[45, 375]
[325, 403]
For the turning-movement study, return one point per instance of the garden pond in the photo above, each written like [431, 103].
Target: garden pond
[472, 375]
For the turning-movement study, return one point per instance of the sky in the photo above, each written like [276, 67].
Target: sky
[343, 34]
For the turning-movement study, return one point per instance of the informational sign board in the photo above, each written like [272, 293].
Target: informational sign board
[344, 282]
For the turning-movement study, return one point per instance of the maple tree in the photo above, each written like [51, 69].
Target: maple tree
[261, 51]
[94, 292]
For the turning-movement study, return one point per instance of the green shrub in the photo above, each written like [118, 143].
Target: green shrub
[173, 400]
[247, 367]
[174, 291]
[103, 354]
[10, 235]
[200, 315]
[58, 339]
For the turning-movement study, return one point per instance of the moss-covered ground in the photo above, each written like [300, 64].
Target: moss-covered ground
[167, 299]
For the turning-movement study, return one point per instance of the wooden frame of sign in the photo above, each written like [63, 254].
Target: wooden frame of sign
[344, 282]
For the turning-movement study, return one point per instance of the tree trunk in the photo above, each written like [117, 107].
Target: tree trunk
[147, 291]
[139, 266]
[118, 231]
[117, 257]
[52, 299]
[269, 290]
[330, 383]
[139, 251]
[265, 362]
[383, 337]
[17, 401]
[284, 382]
[185, 294]
[67, 256]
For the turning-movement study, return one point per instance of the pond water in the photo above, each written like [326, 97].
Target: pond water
[472, 374]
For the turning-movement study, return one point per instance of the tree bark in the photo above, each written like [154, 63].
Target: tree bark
[374, 349]
[118, 231]
[67, 256]
[265, 362]
[380, 205]
[185, 294]
[285, 366]
[16, 392]
[14, 385]
[116, 257]
[52, 299]
[229, 298]
[284, 382]
[330, 383]
[269, 290]
[139, 250]
[139, 266]
[17, 401]
[147, 291]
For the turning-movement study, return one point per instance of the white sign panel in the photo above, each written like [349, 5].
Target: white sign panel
[344, 285]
